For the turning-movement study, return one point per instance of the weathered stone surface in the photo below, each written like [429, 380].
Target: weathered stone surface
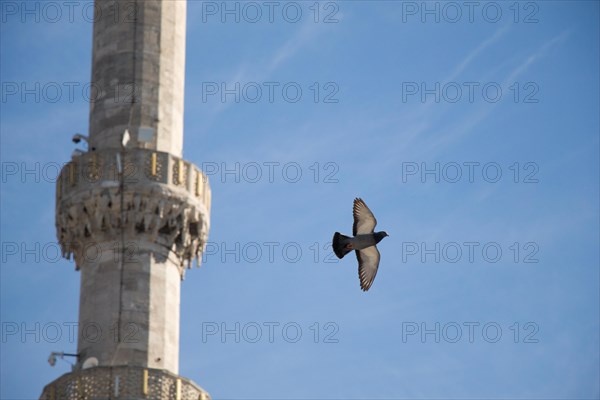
[129, 314]
[132, 216]
[138, 70]
[165, 202]
[123, 382]
[131, 235]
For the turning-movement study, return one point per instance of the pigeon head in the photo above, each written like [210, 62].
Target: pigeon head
[380, 235]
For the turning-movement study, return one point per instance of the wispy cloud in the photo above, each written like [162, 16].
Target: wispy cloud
[467, 123]
[261, 70]
[536, 55]
[473, 54]
[307, 33]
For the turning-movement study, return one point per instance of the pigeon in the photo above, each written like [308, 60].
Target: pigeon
[364, 243]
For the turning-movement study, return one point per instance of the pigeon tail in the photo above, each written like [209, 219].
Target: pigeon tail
[340, 243]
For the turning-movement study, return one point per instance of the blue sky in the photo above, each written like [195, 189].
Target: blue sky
[371, 133]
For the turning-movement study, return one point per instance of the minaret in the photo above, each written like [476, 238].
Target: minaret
[130, 211]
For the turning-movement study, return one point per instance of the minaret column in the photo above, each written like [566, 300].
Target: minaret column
[130, 211]
[138, 69]
[132, 234]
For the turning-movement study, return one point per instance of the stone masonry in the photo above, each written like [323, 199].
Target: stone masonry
[130, 211]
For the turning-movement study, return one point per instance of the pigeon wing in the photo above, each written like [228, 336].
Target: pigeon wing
[368, 262]
[364, 220]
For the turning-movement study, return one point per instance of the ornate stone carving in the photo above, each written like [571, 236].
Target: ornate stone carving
[123, 382]
[96, 204]
[154, 166]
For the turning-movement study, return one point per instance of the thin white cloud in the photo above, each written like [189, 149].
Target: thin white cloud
[539, 53]
[292, 46]
[468, 122]
[260, 71]
[475, 53]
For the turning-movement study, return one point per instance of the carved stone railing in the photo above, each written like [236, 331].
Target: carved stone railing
[122, 382]
[139, 194]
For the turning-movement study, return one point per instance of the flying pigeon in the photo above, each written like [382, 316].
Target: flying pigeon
[364, 242]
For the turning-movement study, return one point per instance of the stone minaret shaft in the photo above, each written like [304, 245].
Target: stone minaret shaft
[133, 214]
[138, 60]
